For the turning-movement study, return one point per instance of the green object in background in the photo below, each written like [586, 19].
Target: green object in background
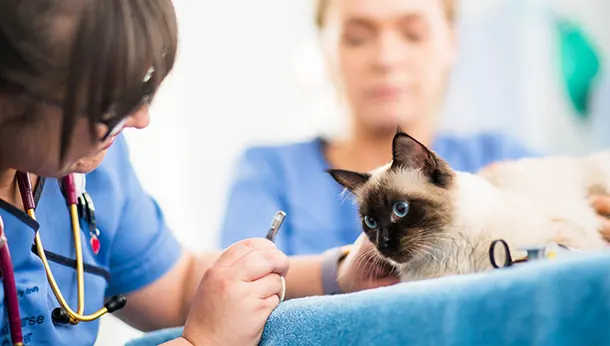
[580, 64]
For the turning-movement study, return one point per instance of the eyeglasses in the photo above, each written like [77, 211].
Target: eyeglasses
[118, 113]
[116, 116]
[115, 120]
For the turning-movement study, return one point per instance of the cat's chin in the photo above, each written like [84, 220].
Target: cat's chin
[395, 262]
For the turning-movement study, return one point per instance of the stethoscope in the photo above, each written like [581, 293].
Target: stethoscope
[63, 314]
[548, 251]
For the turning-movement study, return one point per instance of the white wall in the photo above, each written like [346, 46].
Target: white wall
[247, 72]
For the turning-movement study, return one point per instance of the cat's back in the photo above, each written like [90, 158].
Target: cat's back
[481, 207]
[555, 178]
[559, 188]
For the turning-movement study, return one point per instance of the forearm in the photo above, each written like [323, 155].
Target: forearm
[166, 302]
[197, 267]
[177, 342]
[304, 277]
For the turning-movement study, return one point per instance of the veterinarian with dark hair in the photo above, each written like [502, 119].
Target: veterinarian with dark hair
[72, 76]
[390, 61]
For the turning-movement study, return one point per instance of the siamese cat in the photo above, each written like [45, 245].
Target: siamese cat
[430, 221]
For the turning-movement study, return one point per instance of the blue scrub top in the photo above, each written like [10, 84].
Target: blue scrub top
[137, 248]
[292, 178]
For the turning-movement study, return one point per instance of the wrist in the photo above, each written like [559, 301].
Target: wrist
[197, 338]
[181, 341]
[331, 262]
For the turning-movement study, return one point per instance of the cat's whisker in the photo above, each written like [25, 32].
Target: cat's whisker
[363, 261]
[371, 263]
[422, 247]
[428, 250]
[345, 195]
[377, 266]
[358, 262]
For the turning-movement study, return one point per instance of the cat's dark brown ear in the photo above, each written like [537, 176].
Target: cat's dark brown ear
[348, 179]
[407, 152]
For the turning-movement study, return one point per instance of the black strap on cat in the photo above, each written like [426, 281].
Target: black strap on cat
[508, 258]
[492, 254]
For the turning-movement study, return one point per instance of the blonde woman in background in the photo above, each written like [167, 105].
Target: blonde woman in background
[390, 61]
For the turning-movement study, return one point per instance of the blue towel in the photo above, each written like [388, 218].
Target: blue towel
[558, 302]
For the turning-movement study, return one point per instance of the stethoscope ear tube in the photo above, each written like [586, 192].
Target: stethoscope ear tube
[68, 189]
[25, 188]
[10, 289]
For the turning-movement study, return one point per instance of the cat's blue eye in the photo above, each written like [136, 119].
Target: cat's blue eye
[401, 208]
[370, 222]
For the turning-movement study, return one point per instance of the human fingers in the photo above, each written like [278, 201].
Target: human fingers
[272, 284]
[271, 302]
[379, 282]
[601, 204]
[605, 228]
[237, 251]
[259, 263]
[490, 167]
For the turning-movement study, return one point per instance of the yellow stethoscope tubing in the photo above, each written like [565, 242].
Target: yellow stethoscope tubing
[77, 316]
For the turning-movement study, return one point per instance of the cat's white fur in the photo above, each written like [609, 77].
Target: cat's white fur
[528, 203]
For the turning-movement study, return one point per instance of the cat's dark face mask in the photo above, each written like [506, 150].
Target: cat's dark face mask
[401, 225]
[404, 208]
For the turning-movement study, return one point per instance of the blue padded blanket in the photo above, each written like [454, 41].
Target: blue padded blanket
[558, 302]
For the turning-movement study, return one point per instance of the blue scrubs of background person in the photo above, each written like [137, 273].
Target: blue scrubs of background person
[292, 178]
[390, 62]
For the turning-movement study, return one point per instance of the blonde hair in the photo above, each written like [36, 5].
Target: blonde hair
[322, 7]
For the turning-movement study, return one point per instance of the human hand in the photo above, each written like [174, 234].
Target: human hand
[601, 204]
[364, 268]
[237, 294]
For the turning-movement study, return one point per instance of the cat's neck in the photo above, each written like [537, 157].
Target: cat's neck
[475, 201]
[482, 210]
